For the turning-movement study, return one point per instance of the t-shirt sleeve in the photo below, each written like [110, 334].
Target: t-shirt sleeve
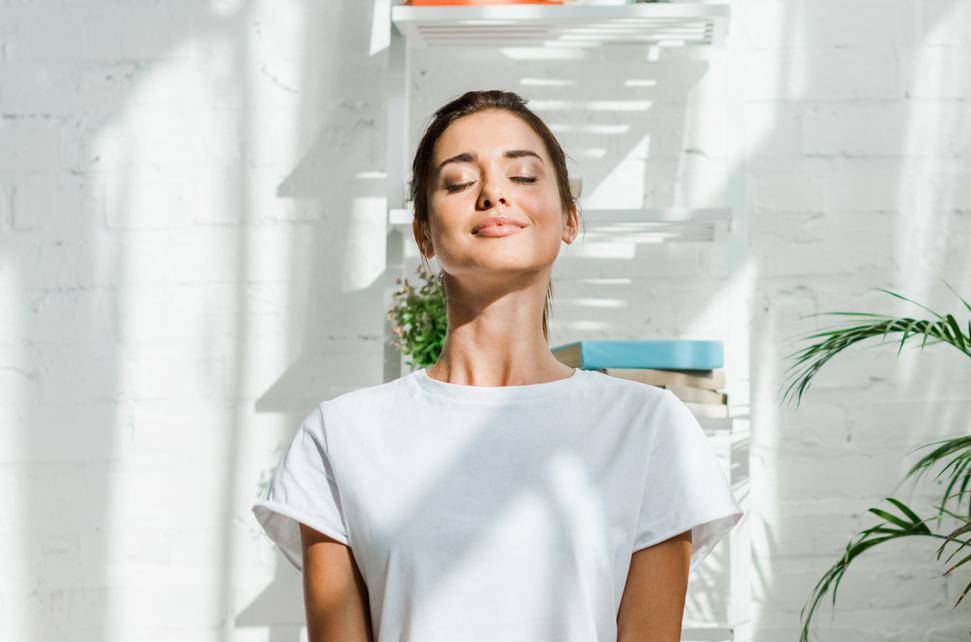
[302, 489]
[686, 487]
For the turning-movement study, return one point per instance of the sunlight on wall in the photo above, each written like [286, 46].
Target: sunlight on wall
[225, 8]
[547, 82]
[722, 305]
[933, 130]
[582, 323]
[600, 302]
[623, 186]
[601, 250]
[151, 194]
[764, 464]
[700, 177]
[777, 25]
[543, 53]
[364, 253]
[590, 105]
[752, 335]
[640, 82]
[188, 176]
[612, 129]
[17, 391]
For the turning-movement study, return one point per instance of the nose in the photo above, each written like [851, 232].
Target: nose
[491, 194]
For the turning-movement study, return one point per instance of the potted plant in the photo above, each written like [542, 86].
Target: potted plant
[420, 319]
[955, 453]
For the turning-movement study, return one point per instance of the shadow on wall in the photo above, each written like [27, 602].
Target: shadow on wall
[161, 200]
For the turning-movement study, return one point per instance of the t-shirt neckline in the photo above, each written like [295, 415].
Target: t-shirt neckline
[522, 392]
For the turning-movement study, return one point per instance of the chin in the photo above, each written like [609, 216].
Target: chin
[514, 264]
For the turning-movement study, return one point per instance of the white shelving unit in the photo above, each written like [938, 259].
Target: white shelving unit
[668, 24]
[675, 24]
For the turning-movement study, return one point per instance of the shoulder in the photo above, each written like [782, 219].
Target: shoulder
[368, 399]
[609, 387]
[368, 407]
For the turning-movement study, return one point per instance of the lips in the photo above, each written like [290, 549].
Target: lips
[497, 222]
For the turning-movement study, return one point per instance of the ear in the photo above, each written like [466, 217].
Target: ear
[571, 225]
[424, 243]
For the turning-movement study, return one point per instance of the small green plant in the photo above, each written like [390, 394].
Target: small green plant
[420, 319]
[954, 453]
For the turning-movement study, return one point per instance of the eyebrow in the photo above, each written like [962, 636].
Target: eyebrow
[468, 157]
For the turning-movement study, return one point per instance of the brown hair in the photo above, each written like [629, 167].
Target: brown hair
[472, 102]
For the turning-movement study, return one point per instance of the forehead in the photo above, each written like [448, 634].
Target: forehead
[488, 133]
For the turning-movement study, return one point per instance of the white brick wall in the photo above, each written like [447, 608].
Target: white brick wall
[192, 246]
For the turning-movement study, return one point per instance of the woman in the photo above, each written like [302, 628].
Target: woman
[499, 494]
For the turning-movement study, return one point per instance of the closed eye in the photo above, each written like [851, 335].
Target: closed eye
[521, 179]
[456, 188]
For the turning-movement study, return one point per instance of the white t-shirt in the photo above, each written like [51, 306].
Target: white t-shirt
[499, 513]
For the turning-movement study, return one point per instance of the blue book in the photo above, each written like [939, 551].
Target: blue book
[658, 354]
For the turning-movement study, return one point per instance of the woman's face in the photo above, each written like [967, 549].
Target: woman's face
[486, 165]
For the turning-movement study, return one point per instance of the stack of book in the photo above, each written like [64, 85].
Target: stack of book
[691, 369]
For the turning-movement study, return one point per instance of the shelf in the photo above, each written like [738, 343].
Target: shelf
[660, 24]
[664, 224]
[716, 425]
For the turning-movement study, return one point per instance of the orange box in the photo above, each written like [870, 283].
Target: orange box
[479, 2]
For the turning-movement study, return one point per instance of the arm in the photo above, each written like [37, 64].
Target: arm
[652, 607]
[335, 596]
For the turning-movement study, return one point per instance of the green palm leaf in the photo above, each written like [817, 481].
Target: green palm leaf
[953, 454]
[809, 360]
[893, 527]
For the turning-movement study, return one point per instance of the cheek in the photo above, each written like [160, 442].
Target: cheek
[450, 215]
[545, 210]
[553, 218]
